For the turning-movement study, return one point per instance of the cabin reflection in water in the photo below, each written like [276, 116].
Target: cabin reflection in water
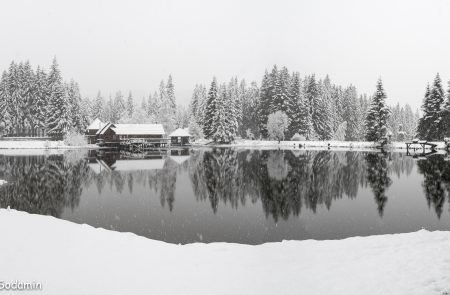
[114, 161]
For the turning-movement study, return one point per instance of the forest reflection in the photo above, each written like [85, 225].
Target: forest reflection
[284, 181]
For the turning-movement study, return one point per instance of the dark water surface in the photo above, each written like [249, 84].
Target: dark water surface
[242, 196]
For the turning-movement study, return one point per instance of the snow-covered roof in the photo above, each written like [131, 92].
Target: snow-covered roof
[130, 165]
[138, 129]
[133, 129]
[103, 129]
[96, 124]
[180, 133]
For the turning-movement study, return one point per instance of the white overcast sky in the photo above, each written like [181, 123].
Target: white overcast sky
[132, 45]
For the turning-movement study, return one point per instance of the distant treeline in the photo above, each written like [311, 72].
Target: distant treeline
[36, 100]
[304, 107]
[314, 109]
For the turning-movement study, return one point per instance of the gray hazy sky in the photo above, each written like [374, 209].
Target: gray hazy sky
[132, 45]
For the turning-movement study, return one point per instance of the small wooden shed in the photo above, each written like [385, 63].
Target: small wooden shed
[180, 137]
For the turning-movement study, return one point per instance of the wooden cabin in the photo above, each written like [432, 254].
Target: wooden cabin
[180, 137]
[113, 134]
[92, 129]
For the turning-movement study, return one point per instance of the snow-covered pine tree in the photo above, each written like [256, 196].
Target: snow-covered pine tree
[319, 108]
[209, 127]
[182, 117]
[201, 107]
[264, 104]
[223, 117]
[243, 100]
[351, 113]
[437, 98]
[98, 108]
[150, 107]
[327, 97]
[250, 107]
[14, 99]
[444, 125]
[21, 98]
[58, 121]
[42, 97]
[155, 108]
[409, 123]
[395, 120]
[74, 100]
[167, 109]
[4, 107]
[221, 129]
[424, 123]
[325, 109]
[337, 98]
[28, 94]
[195, 130]
[363, 107]
[233, 106]
[377, 115]
[109, 108]
[283, 103]
[293, 110]
[85, 109]
[119, 109]
[314, 102]
[274, 90]
[197, 105]
[371, 122]
[130, 105]
[170, 92]
[144, 105]
[193, 105]
[305, 115]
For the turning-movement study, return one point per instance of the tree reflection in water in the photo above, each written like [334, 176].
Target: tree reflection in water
[43, 184]
[284, 181]
[378, 178]
[436, 181]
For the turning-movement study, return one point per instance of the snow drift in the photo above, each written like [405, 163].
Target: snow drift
[68, 258]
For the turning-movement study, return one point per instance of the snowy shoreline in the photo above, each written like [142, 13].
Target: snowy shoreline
[69, 258]
[355, 145]
[335, 145]
[40, 144]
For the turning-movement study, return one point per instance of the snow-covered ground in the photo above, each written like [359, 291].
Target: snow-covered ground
[312, 144]
[68, 258]
[38, 144]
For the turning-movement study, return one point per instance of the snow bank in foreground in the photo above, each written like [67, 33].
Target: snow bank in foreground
[68, 258]
[37, 144]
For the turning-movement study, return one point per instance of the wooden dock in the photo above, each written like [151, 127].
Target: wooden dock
[420, 144]
[139, 145]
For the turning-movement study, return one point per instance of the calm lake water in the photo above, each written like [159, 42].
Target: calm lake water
[233, 195]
